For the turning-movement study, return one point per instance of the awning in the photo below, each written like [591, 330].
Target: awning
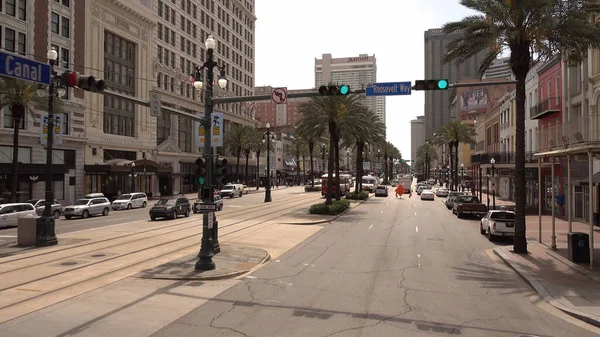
[290, 162]
[124, 166]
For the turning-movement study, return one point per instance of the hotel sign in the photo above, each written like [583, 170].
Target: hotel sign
[358, 59]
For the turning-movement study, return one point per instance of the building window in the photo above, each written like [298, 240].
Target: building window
[65, 127]
[65, 27]
[163, 127]
[54, 23]
[66, 3]
[64, 58]
[185, 134]
[8, 120]
[23, 10]
[22, 44]
[10, 7]
[9, 39]
[119, 114]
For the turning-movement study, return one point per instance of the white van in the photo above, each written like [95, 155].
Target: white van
[369, 183]
[130, 200]
[232, 190]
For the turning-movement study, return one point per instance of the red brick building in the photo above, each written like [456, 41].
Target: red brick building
[277, 115]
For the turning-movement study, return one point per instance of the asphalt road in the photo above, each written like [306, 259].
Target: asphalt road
[388, 268]
[124, 216]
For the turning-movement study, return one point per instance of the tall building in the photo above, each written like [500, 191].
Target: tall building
[356, 72]
[437, 103]
[155, 45]
[278, 115]
[417, 135]
[499, 69]
[29, 29]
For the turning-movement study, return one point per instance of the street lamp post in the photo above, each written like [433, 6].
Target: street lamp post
[348, 160]
[492, 161]
[448, 177]
[462, 177]
[45, 230]
[487, 182]
[268, 142]
[132, 177]
[205, 256]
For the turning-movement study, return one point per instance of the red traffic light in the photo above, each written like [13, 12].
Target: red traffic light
[69, 78]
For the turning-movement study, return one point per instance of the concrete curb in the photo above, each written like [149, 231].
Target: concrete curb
[541, 290]
[335, 217]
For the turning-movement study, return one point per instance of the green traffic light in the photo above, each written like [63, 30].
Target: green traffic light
[200, 180]
[344, 89]
[442, 84]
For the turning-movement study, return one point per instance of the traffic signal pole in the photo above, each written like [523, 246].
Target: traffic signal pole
[268, 97]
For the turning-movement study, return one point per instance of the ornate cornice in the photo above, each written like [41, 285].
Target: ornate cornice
[137, 12]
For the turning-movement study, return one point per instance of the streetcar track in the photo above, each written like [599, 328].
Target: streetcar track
[224, 216]
[131, 253]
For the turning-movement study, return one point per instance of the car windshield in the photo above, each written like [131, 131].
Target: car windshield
[502, 216]
[168, 202]
[124, 197]
[468, 199]
[81, 202]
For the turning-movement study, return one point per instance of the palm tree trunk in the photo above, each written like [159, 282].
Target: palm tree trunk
[451, 173]
[238, 154]
[299, 169]
[311, 148]
[330, 163]
[246, 167]
[456, 165]
[359, 166]
[257, 170]
[385, 168]
[15, 159]
[520, 241]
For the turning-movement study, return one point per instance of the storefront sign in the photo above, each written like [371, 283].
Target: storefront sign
[121, 141]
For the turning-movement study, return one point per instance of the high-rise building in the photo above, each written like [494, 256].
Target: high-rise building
[437, 103]
[28, 29]
[417, 135]
[278, 115]
[499, 69]
[356, 72]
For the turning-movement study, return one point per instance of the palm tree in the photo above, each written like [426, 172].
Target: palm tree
[298, 149]
[453, 133]
[253, 138]
[529, 30]
[311, 134]
[362, 127]
[426, 154]
[328, 110]
[21, 97]
[237, 140]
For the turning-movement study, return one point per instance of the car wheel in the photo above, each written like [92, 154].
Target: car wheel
[481, 231]
[56, 214]
[153, 218]
[128, 206]
[85, 214]
[68, 217]
[105, 211]
[144, 205]
[187, 213]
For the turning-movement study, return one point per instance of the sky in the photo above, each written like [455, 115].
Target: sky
[290, 34]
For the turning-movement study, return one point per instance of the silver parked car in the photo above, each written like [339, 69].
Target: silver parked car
[88, 206]
[57, 208]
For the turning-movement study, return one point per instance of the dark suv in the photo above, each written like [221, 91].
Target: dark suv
[171, 208]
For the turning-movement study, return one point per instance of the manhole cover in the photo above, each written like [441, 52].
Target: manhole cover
[70, 263]
[99, 255]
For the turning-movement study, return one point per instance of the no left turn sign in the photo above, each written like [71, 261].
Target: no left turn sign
[279, 95]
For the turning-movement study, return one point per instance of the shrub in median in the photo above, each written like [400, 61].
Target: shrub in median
[362, 195]
[316, 188]
[336, 207]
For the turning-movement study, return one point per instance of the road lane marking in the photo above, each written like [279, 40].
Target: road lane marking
[415, 213]
[387, 203]
[8, 236]
[381, 212]
[419, 260]
[417, 228]
[370, 226]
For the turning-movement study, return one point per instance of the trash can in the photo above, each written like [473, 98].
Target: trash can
[578, 246]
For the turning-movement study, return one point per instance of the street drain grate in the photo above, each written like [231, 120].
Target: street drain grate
[99, 255]
[68, 263]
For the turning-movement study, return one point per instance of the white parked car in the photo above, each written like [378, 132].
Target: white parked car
[442, 192]
[130, 200]
[427, 195]
[498, 223]
[10, 213]
[381, 191]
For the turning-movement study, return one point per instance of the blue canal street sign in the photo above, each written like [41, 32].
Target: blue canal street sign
[25, 69]
[388, 89]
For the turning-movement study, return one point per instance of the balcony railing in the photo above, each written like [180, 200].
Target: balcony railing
[575, 132]
[500, 158]
[551, 104]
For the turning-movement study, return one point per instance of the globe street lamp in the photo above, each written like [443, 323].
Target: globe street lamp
[462, 176]
[205, 256]
[132, 177]
[269, 137]
[45, 225]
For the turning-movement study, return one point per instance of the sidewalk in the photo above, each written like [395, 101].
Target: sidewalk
[571, 288]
